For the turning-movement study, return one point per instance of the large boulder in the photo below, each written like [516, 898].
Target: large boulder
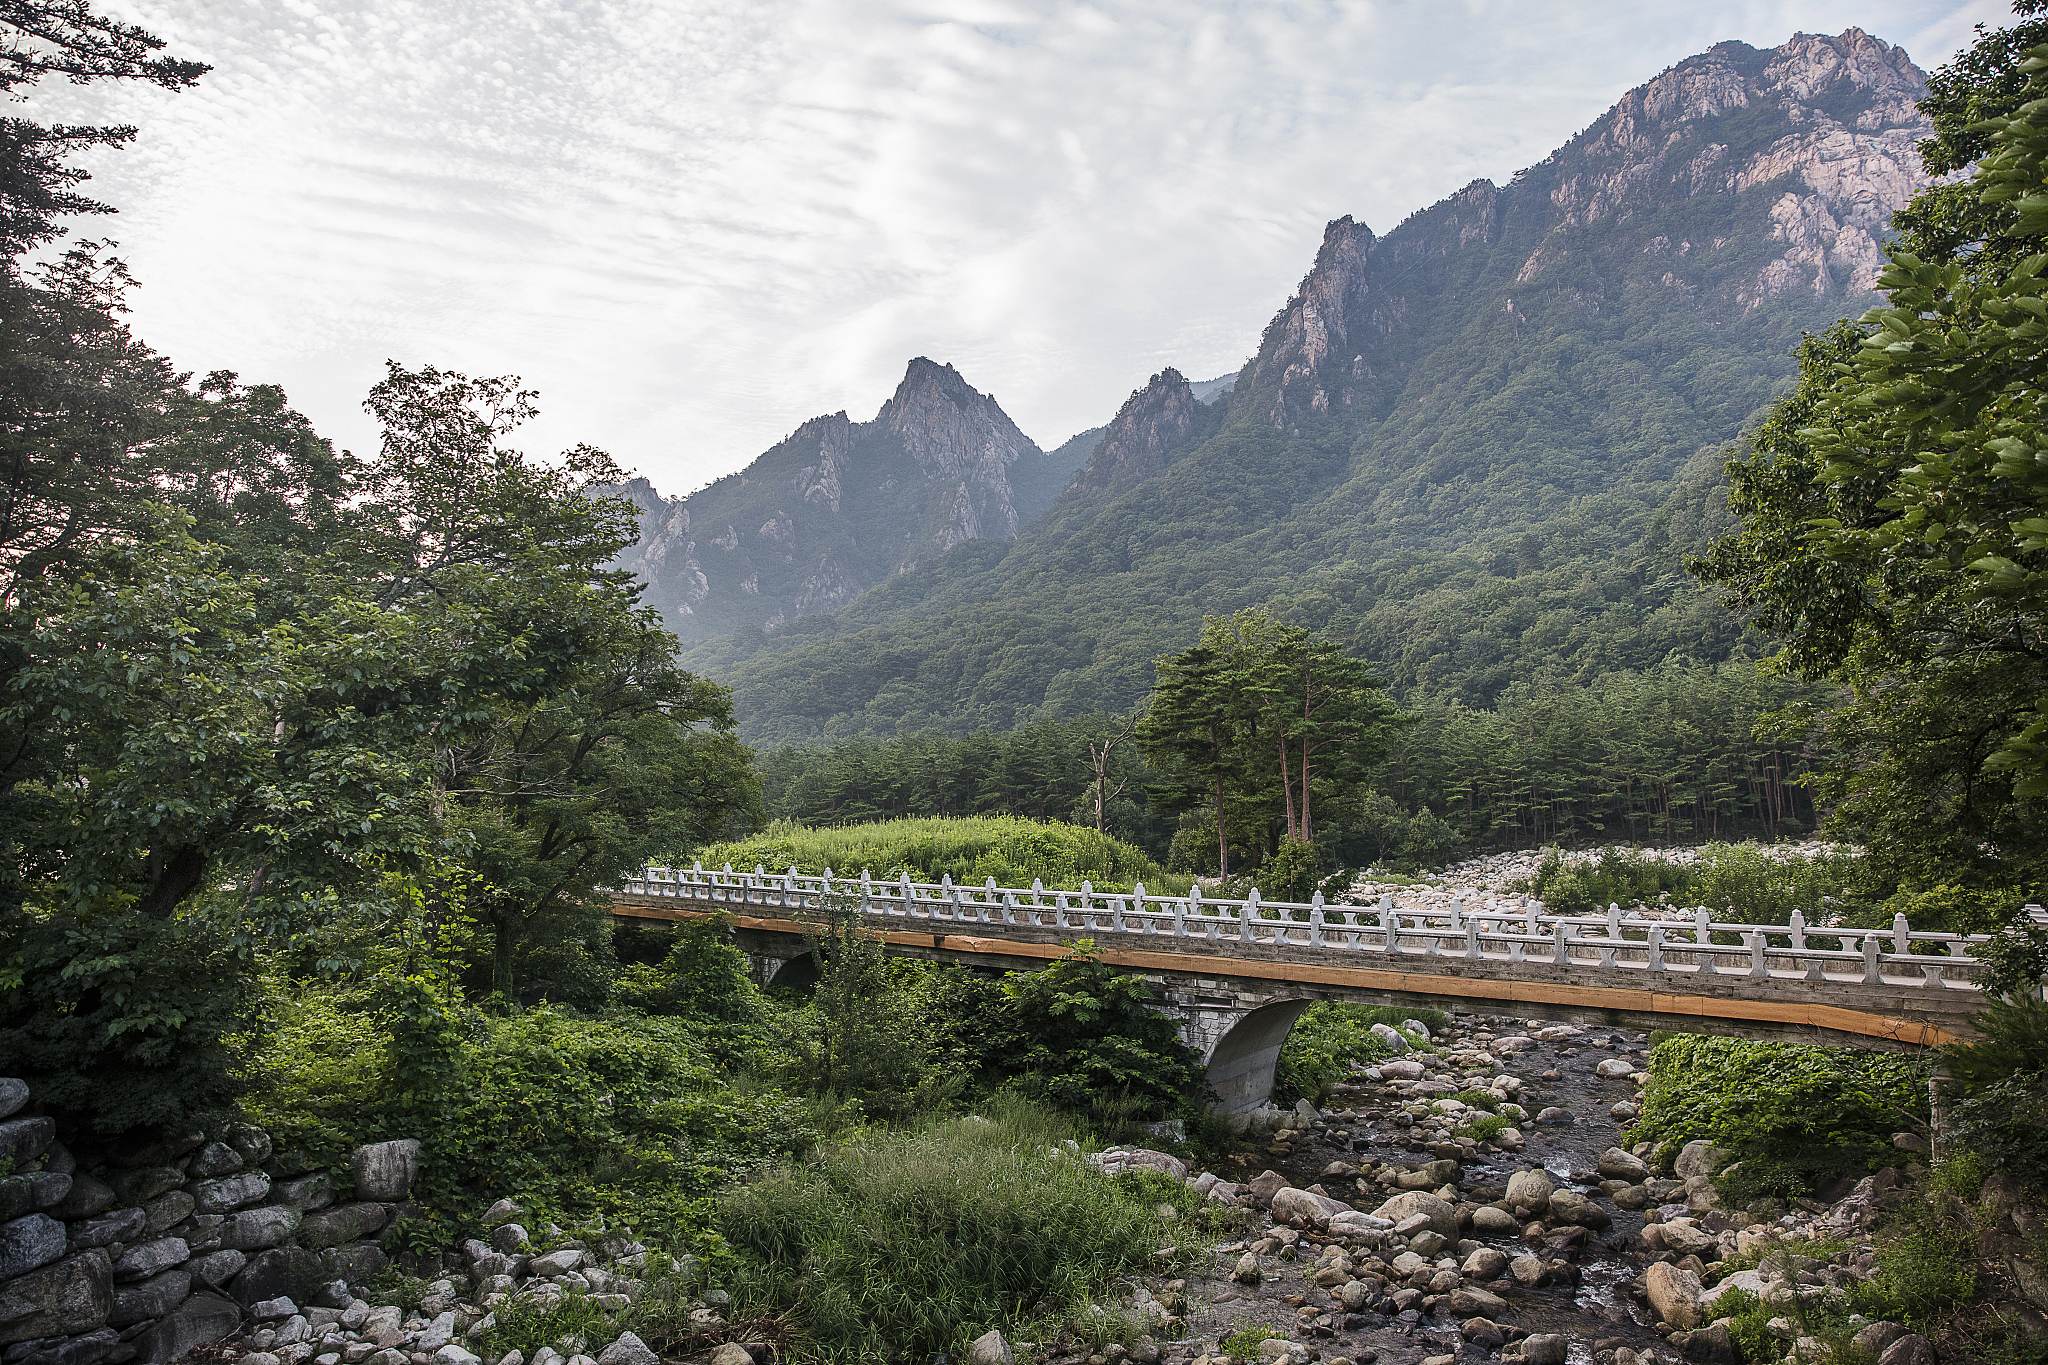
[1569, 1206]
[231, 1192]
[1443, 1217]
[343, 1223]
[279, 1271]
[122, 1225]
[32, 1191]
[29, 1243]
[1469, 1302]
[202, 1319]
[1674, 1294]
[1698, 1158]
[145, 1259]
[25, 1139]
[384, 1171]
[87, 1197]
[145, 1183]
[13, 1095]
[151, 1299]
[1300, 1207]
[1529, 1192]
[167, 1211]
[990, 1348]
[256, 1229]
[1265, 1186]
[1391, 1036]
[213, 1160]
[74, 1295]
[1615, 1164]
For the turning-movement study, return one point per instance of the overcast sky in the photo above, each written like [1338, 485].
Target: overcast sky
[693, 224]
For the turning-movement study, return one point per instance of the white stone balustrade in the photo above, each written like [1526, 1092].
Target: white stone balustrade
[1501, 929]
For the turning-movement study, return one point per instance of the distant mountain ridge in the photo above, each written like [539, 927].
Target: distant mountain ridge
[1514, 376]
[838, 506]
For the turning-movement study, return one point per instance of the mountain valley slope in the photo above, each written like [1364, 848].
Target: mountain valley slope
[1518, 393]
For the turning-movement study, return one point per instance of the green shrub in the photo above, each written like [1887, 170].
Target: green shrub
[1759, 886]
[912, 1245]
[1478, 1099]
[703, 976]
[1243, 1344]
[1485, 1126]
[1290, 874]
[969, 850]
[120, 1022]
[623, 1117]
[1620, 876]
[1793, 1115]
[1094, 1043]
[1325, 1042]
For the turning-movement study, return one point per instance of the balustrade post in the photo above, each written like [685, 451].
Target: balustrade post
[1901, 943]
[909, 895]
[1059, 910]
[1871, 975]
[1702, 931]
[1037, 901]
[1387, 924]
[1472, 938]
[1180, 919]
[988, 900]
[1656, 947]
[1138, 907]
[867, 892]
[949, 896]
[1009, 907]
[1757, 970]
[1529, 908]
[1245, 917]
[1613, 919]
[1797, 927]
[1116, 914]
[1087, 904]
[1315, 920]
[1558, 952]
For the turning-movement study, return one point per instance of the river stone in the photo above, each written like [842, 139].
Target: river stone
[231, 1192]
[1265, 1186]
[630, 1350]
[1494, 1221]
[1290, 1204]
[1391, 1036]
[1357, 1296]
[344, 1223]
[145, 1259]
[1690, 1239]
[88, 1196]
[1483, 1334]
[1698, 1158]
[1615, 1164]
[1707, 1346]
[1485, 1264]
[557, 1262]
[1569, 1206]
[509, 1238]
[1632, 1197]
[151, 1299]
[141, 1186]
[256, 1229]
[1544, 1348]
[202, 1319]
[504, 1211]
[1470, 1302]
[1674, 1294]
[1443, 1218]
[1614, 1067]
[71, 1296]
[29, 1243]
[25, 1139]
[1527, 1271]
[384, 1171]
[1529, 1191]
[122, 1225]
[13, 1095]
[1401, 1069]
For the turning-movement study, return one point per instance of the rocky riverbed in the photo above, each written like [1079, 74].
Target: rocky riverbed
[1376, 1232]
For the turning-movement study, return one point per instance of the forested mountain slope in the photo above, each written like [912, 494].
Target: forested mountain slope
[1480, 419]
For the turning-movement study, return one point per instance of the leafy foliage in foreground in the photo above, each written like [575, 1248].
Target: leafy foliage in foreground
[1794, 1116]
[1328, 1038]
[912, 1246]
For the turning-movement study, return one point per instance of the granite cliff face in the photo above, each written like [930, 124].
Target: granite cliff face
[1156, 424]
[1733, 178]
[839, 506]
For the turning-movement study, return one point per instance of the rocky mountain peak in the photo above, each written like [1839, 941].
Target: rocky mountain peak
[1156, 423]
[955, 432]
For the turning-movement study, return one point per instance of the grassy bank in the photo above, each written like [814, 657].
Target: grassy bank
[969, 850]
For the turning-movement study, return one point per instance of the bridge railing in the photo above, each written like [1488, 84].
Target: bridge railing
[1519, 930]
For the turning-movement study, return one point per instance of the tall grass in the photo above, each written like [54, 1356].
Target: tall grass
[907, 1246]
[969, 850]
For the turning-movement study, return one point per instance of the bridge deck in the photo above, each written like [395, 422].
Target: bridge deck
[1760, 980]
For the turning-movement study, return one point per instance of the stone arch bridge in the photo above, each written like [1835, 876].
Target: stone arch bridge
[1239, 973]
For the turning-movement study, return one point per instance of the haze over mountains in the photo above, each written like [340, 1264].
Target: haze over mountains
[1476, 447]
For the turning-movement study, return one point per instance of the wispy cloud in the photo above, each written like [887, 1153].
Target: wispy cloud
[692, 225]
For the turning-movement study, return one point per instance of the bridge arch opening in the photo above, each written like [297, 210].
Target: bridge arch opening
[799, 973]
[1241, 1064]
